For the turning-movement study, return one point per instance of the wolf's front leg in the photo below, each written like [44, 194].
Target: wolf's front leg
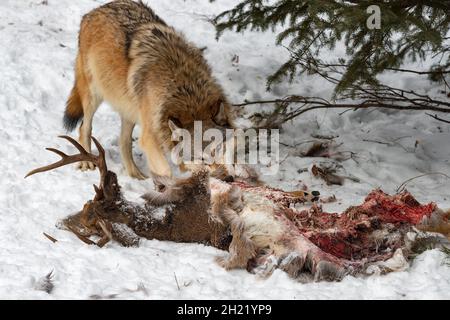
[126, 141]
[156, 160]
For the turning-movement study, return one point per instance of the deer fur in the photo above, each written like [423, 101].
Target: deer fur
[256, 224]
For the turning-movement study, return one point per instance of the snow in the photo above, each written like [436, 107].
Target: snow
[38, 44]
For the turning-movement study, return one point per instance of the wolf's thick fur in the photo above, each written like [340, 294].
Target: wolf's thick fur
[149, 73]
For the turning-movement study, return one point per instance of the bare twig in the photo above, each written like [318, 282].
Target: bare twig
[324, 137]
[401, 138]
[402, 187]
[352, 155]
[435, 116]
[393, 99]
[390, 143]
[379, 142]
[344, 112]
[297, 144]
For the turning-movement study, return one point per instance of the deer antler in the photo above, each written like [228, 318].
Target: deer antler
[99, 160]
[108, 189]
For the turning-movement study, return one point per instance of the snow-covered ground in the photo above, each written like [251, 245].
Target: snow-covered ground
[38, 44]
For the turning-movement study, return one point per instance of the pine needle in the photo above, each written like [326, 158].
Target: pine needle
[50, 238]
[176, 280]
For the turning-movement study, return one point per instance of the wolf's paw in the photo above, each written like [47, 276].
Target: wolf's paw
[86, 166]
[137, 174]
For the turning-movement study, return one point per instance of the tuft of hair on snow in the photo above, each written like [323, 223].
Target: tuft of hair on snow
[45, 283]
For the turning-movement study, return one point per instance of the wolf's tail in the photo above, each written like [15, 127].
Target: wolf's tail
[74, 110]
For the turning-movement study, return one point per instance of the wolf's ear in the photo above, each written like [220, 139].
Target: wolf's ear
[173, 124]
[221, 118]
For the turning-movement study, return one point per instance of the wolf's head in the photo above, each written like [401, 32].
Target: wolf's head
[200, 141]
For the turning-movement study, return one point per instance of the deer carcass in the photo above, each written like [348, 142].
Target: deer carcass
[259, 226]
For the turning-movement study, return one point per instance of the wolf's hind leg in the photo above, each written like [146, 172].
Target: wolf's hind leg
[90, 102]
[126, 141]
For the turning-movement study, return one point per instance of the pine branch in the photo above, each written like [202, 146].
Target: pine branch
[315, 26]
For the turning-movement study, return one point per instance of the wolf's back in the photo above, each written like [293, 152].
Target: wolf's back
[129, 15]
